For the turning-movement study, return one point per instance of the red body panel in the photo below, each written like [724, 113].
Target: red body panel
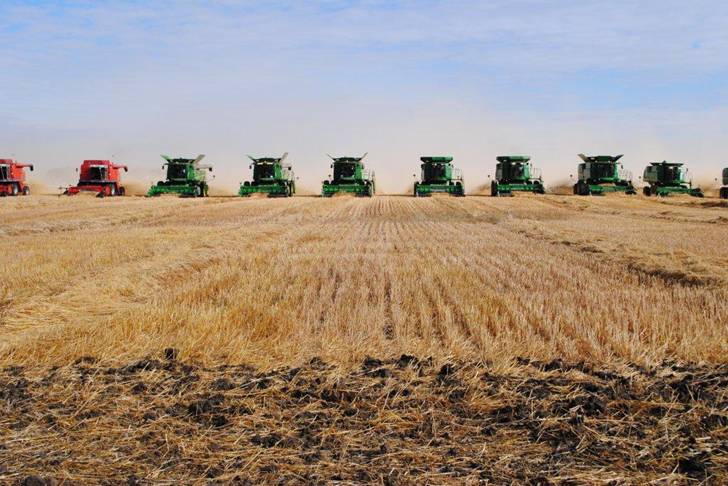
[12, 178]
[102, 177]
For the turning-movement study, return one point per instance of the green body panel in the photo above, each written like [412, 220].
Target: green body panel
[351, 177]
[665, 178]
[439, 176]
[514, 173]
[185, 177]
[601, 174]
[271, 177]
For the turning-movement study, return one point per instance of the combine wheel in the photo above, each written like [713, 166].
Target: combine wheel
[724, 192]
[198, 191]
[583, 189]
[647, 191]
[26, 191]
[14, 190]
[494, 189]
[415, 191]
[122, 191]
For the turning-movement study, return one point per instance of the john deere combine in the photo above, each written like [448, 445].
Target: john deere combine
[186, 177]
[600, 174]
[515, 173]
[439, 176]
[270, 176]
[350, 176]
[665, 178]
[724, 189]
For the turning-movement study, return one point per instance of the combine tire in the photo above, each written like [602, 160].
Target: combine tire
[122, 191]
[494, 189]
[724, 192]
[647, 191]
[415, 191]
[198, 191]
[14, 190]
[26, 191]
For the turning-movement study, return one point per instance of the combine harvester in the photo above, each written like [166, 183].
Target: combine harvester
[439, 176]
[12, 178]
[270, 176]
[350, 177]
[724, 189]
[601, 174]
[100, 177]
[665, 178]
[186, 177]
[515, 173]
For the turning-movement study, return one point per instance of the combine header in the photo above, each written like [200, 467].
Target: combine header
[186, 177]
[101, 177]
[439, 176]
[665, 178]
[724, 189]
[515, 173]
[270, 176]
[351, 177]
[601, 174]
[12, 178]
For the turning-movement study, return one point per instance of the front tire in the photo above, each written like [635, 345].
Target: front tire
[494, 189]
[647, 191]
[724, 192]
[26, 191]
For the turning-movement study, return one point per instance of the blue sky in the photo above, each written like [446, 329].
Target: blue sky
[474, 79]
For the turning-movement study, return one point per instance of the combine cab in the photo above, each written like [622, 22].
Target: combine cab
[350, 177]
[100, 177]
[439, 176]
[601, 174]
[12, 178]
[270, 176]
[665, 178]
[724, 189]
[186, 177]
[515, 173]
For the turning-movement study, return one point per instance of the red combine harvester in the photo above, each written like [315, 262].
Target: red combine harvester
[102, 177]
[12, 178]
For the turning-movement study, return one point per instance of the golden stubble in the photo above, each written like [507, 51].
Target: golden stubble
[274, 282]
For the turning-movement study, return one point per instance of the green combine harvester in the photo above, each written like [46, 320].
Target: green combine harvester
[439, 176]
[665, 178]
[724, 189]
[516, 173]
[350, 176]
[270, 176]
[186, 177]
[601, 174]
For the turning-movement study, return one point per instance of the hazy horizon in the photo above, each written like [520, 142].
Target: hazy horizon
[128, 80]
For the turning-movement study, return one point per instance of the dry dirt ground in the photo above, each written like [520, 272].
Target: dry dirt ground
[395, 340]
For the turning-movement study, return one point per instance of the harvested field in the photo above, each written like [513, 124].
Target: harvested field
[557, 339]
